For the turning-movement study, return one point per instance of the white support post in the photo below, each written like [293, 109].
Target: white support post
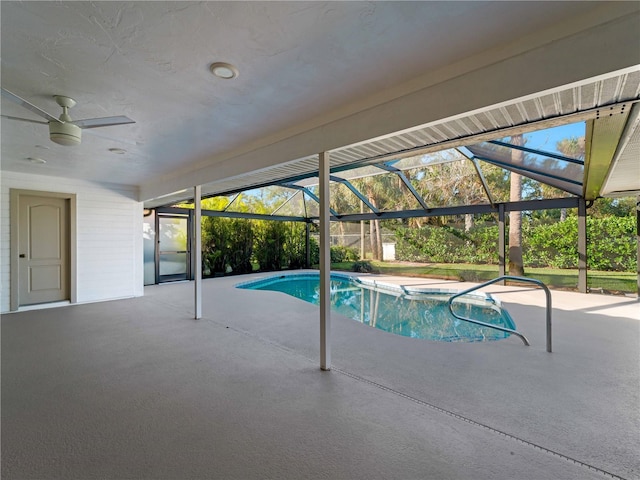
[325, 264]
[197, 250]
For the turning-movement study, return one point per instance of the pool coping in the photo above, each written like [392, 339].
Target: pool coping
[369, 281]
[478, 298]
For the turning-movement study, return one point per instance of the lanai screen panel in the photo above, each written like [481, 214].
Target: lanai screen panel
[448, 184]
[553, 156]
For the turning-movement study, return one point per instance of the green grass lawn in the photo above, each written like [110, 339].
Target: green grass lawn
[608, 282]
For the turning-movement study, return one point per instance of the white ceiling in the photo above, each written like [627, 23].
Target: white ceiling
[298, 62]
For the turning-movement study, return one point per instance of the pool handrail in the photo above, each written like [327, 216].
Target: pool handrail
[508, 330]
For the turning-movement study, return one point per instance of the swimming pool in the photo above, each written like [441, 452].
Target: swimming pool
[411, 312]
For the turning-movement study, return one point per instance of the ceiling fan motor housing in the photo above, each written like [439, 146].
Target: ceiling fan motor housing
[66, 133]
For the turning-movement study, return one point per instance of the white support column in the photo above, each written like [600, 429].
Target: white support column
[638, 241]
[197, 250]
[325, 264]
[501, 244]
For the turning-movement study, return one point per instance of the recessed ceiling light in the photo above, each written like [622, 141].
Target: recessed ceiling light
[44, 147]
[224, 70]
[36, 160]
[118, 151]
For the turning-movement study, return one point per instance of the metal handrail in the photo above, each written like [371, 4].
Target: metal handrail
[508, 330]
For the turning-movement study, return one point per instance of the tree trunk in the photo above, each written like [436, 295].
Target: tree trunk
[468, 222]
[341, 230]
[376, 236]
[516, 265]
[563, 214]
[373, 238]
[378, 240]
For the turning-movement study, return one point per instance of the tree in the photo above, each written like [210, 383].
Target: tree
[516, 265]
[446, 183]
[381, 191]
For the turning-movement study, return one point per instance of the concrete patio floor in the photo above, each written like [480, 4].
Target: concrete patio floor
[138, 389]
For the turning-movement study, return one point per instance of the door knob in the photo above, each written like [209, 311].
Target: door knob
[22, 255]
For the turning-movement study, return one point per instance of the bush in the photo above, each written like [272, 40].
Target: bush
[270, 240]
[341, 254]
[295, 246]
[447, 244]
[227, 246]
[315, 251]
[362, 266]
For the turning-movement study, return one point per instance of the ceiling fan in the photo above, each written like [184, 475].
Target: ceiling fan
[63, 130]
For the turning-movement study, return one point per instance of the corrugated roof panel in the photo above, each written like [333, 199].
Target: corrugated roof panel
[388, 145]
[631, 86]
[449, 130]
[408, 141]
[499, 117]
[437, 134]
[516, 114]
[343, 156]
[587, 96]
[609, 90]
[462, 127]
[567, 100]
[549, 105]
[417, 137]
[508, 120]
[532, 110]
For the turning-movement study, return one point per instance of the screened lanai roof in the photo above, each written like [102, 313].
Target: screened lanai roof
[597, 122]
[297, 197]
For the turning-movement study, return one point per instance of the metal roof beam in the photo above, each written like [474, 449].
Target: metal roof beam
[222, 214]
[355, 191]
[551, 203]
[405, 180]
[467, 153]
[311, 195]
[232, 200]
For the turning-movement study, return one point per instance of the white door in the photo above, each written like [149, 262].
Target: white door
[43, 262]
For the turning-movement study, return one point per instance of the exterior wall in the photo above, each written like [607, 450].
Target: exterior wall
[109, 236]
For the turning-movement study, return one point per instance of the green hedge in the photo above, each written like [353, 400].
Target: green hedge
[447, 244]
[611, 244]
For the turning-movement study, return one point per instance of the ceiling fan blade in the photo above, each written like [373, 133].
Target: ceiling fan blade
[103, 122]
[29, 106]
[23, 119]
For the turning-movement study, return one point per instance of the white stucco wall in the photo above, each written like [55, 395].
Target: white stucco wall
[109, 236]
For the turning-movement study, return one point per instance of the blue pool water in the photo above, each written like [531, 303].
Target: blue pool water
[412, 313]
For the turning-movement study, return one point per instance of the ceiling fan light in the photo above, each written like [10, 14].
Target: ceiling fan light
[224, 70]
[66, 134]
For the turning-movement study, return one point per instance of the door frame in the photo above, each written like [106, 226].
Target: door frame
[188, 217]
[15, 245]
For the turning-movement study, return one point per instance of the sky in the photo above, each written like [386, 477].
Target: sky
[546, 140]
